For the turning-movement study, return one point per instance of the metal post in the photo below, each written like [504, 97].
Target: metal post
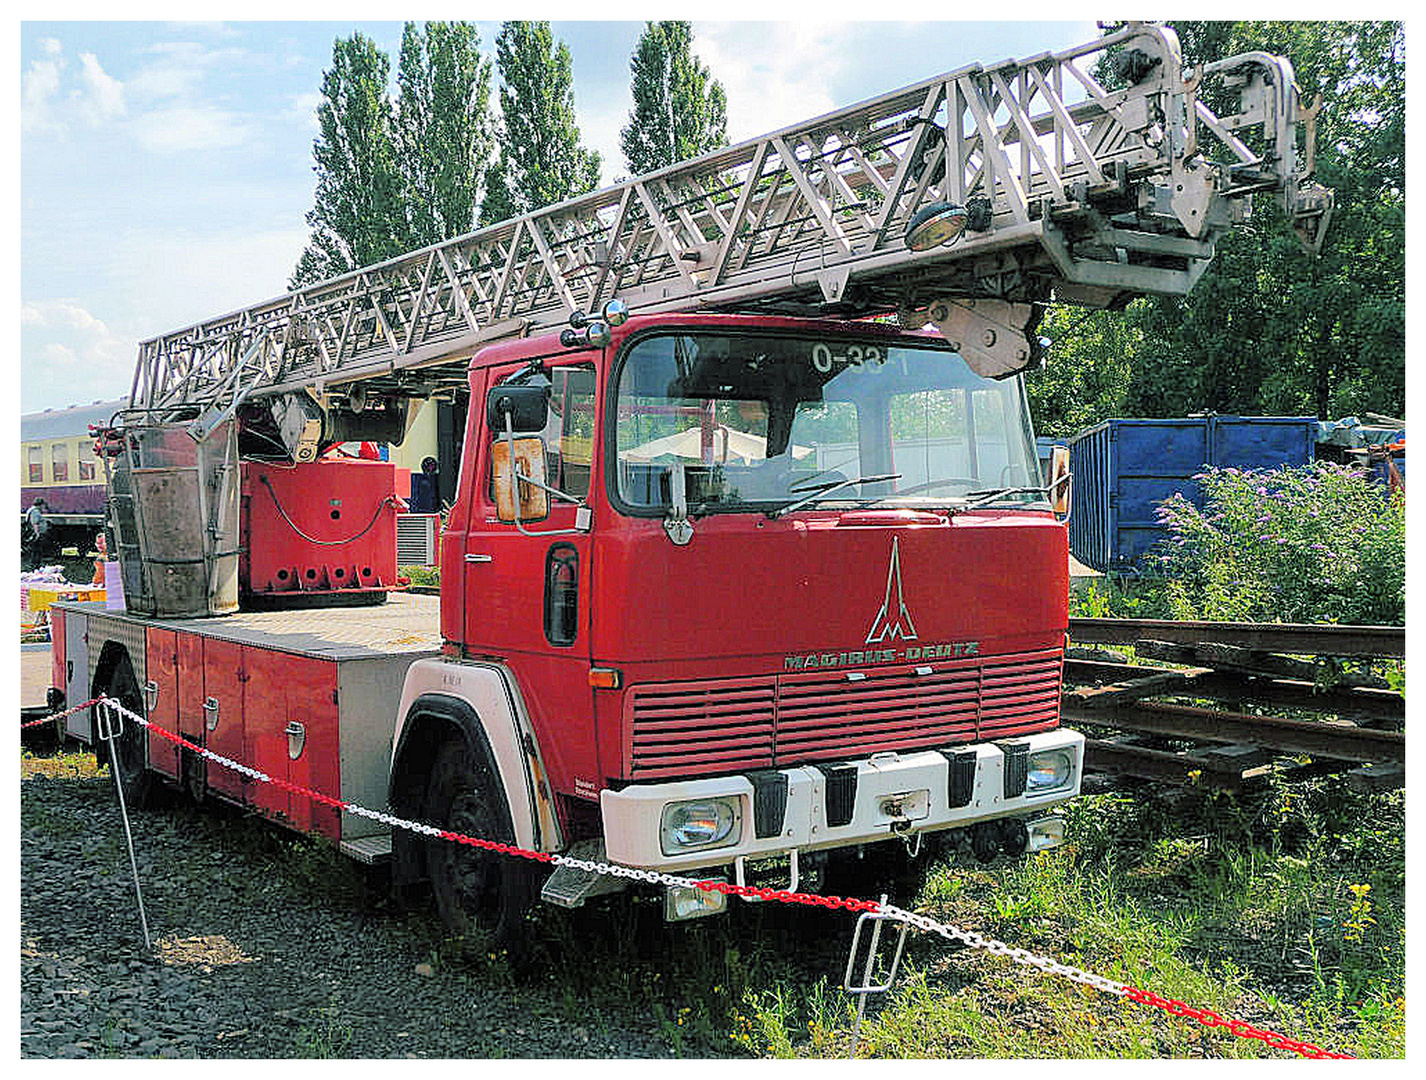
[866, 981]
[111, 723]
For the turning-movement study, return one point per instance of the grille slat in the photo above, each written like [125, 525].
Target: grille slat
[703, 728]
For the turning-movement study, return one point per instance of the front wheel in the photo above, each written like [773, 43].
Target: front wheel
[481, 896]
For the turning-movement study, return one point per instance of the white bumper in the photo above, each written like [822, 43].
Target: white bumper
[922, 779]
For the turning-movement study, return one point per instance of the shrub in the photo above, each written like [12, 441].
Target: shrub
[1321, 543]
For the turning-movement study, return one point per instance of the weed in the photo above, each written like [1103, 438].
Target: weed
[326, 1036]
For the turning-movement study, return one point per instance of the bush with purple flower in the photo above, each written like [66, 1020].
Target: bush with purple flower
[1317, 543]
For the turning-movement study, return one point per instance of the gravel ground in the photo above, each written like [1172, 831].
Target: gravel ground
[268, 947]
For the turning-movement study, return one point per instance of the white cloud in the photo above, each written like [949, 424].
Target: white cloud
[302, 109]
[102, 96]
[38, 87]
[173, 128]
[70, 355]
[51, 46]
[775, 74]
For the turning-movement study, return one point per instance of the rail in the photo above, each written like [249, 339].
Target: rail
[1147, 721]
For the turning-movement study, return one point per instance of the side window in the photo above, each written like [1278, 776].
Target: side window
[87, 465]
[568, 435]
[60, 463]
[37, 464]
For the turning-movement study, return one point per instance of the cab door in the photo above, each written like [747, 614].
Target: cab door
[527, 584]
[528, 587]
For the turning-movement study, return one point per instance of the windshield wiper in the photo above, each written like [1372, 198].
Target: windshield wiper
[826, 489]
[991, 495]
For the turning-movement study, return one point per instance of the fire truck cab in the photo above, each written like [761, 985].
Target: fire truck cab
[719, 589]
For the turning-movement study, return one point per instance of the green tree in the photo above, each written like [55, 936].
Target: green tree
[443, 134]
[1269, 328]
[1086, 376]
[541, 161]
[357, 217]
[680, 110]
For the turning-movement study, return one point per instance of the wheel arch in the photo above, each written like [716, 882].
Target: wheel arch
[429, 723]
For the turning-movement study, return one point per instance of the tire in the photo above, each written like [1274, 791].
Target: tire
[482, 896]
[131, 767]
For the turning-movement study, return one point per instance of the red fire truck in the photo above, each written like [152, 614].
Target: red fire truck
[735, 575]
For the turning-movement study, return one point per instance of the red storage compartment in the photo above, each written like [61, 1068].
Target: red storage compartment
[318, 532]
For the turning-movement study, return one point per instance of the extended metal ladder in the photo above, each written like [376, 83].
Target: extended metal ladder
[1071, 189]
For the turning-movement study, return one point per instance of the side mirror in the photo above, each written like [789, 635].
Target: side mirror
[530, 500]
[1061, 480]
[528, 407]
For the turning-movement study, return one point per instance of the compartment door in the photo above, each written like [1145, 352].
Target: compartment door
[223, 686]
[76, 673]
[264, 724]
[161, 668]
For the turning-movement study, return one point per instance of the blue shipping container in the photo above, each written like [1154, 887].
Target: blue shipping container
[1123, 469]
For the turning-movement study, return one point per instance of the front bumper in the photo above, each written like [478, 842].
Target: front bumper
[894, 794]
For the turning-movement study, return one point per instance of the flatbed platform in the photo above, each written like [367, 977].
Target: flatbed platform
[405, 623]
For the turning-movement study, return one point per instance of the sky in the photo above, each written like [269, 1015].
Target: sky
[166, 167]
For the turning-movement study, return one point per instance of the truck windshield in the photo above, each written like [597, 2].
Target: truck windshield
[760, 421]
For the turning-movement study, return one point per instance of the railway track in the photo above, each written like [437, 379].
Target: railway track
[1224, 704]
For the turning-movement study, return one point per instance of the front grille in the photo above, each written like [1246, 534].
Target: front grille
[732, 725]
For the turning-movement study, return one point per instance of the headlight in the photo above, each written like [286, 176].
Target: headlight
[1048, 770]
[700, 824]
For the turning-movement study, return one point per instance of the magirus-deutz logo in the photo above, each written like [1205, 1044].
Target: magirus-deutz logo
[892, 623]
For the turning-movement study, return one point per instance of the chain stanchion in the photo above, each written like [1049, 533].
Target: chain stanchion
[109, 723]
[879, 911]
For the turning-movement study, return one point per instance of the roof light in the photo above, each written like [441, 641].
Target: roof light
[936, 224]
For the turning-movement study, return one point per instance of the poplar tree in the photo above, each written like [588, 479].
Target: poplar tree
[392, 177]
[443, 134]
[541, 160]
[680, 110]
[357, 216]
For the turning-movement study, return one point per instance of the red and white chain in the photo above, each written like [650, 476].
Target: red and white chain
[655, 877]
[52, 717]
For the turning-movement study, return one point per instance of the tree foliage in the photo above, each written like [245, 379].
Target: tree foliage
[680, 111]
[444, 132]
[356, 218]
[541, 160]
[396, 176]
[1269, 329]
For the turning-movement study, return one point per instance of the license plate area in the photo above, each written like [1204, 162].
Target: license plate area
[903, 806]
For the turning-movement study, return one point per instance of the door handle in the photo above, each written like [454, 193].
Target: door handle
[296, 739]
[210, 713]
[150, 696]
[469, 557]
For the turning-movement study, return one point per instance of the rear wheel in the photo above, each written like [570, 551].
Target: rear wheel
[130, 758]
[482, 896]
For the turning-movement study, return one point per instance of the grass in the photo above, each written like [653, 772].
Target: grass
[1299, 930]
[1285, 910]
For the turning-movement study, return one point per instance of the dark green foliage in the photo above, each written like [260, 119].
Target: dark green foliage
[680, 110]
[443, 132]
[541, 161]
[1269, 329]
[357, 218]
[1315, 544]
[1087, 374]
[391, 178]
